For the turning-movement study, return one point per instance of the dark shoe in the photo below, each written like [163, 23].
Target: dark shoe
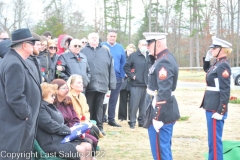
[105, 120]
[132, 125]
[140, 125]
[102, 132]
[113, 123]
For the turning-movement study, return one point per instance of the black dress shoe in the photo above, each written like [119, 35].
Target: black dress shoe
[113, 123]
[132, 125]
[102, 132]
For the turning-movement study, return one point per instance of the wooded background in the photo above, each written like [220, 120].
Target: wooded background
[190, 24]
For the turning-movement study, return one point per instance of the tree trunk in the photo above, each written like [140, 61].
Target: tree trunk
[150, 16]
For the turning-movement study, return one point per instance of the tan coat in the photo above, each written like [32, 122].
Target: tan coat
[80, 105]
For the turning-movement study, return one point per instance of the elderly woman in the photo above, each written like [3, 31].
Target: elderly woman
[75, 85]
[52, 130]
[217, 94]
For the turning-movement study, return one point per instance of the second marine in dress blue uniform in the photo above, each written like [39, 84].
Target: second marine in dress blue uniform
[217, 94]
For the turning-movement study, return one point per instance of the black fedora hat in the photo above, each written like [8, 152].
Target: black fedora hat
[22, 35]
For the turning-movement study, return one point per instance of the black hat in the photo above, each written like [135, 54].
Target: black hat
[22, 35]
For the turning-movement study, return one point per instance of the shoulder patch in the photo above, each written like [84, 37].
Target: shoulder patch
[225, 74]
[162, 74]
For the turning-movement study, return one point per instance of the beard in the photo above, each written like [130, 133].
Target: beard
[35, 52]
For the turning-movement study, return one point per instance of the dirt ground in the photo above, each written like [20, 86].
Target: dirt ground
[189, 137]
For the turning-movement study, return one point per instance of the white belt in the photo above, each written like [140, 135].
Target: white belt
[212, 88]
[153, 93]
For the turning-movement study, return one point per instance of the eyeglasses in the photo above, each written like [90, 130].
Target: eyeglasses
[4, 38]
[84, 42]
[79, 46]
[51, 47]
[30, 42]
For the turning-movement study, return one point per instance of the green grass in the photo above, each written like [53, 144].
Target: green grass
[183, 118]
[192, 76]
[236, 101]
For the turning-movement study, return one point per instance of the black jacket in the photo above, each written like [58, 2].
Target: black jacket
[138, 65]
[72, 65]
[20, 98]
[52, 130]
[34, 65]
[45, 62]
[52, 70]
[102, 70]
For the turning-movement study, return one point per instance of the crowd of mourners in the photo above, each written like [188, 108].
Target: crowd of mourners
[80, 80]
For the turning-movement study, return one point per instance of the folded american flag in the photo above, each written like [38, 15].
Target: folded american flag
[79, 129]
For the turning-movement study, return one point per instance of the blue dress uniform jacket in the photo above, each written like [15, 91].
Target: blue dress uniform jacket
[162, 79]
[217, 93]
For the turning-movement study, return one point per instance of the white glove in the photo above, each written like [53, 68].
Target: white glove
[154, 102]
[217, 116]
[157, 125]
[208, 56]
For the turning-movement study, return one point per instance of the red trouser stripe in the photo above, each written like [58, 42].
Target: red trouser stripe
[214, 139]
[158, 145]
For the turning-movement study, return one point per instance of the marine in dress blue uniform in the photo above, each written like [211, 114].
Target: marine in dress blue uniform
[162, 81]
[217, 93]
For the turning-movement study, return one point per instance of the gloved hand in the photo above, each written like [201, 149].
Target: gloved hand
[154, 102]
[217, 116]
[208, 56]
[157, 125]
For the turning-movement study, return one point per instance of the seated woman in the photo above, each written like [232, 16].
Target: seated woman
[52, 130]
[75, 85]
[64, 105]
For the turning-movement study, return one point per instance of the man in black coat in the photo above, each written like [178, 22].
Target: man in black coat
[136, 68]
[102, 77]
[32, 60]
[20, 98]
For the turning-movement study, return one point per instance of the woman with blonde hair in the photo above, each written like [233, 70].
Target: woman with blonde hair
[79, 102]
[52, 130]
[217, 94]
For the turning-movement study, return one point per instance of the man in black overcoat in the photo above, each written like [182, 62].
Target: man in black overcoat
[19, 99]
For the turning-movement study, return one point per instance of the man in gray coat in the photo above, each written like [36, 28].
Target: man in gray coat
[75, 62]
[20, 98]
[102, 77]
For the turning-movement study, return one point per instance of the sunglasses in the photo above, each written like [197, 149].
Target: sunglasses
[51, 47]
[79, 46]
[84, 42]
[4, 38]
[30, 42]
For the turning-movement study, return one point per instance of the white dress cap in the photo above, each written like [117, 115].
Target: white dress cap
[219, 42]
[154, 35]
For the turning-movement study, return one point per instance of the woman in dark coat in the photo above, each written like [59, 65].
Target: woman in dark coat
[125, 89]
[52, 130]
